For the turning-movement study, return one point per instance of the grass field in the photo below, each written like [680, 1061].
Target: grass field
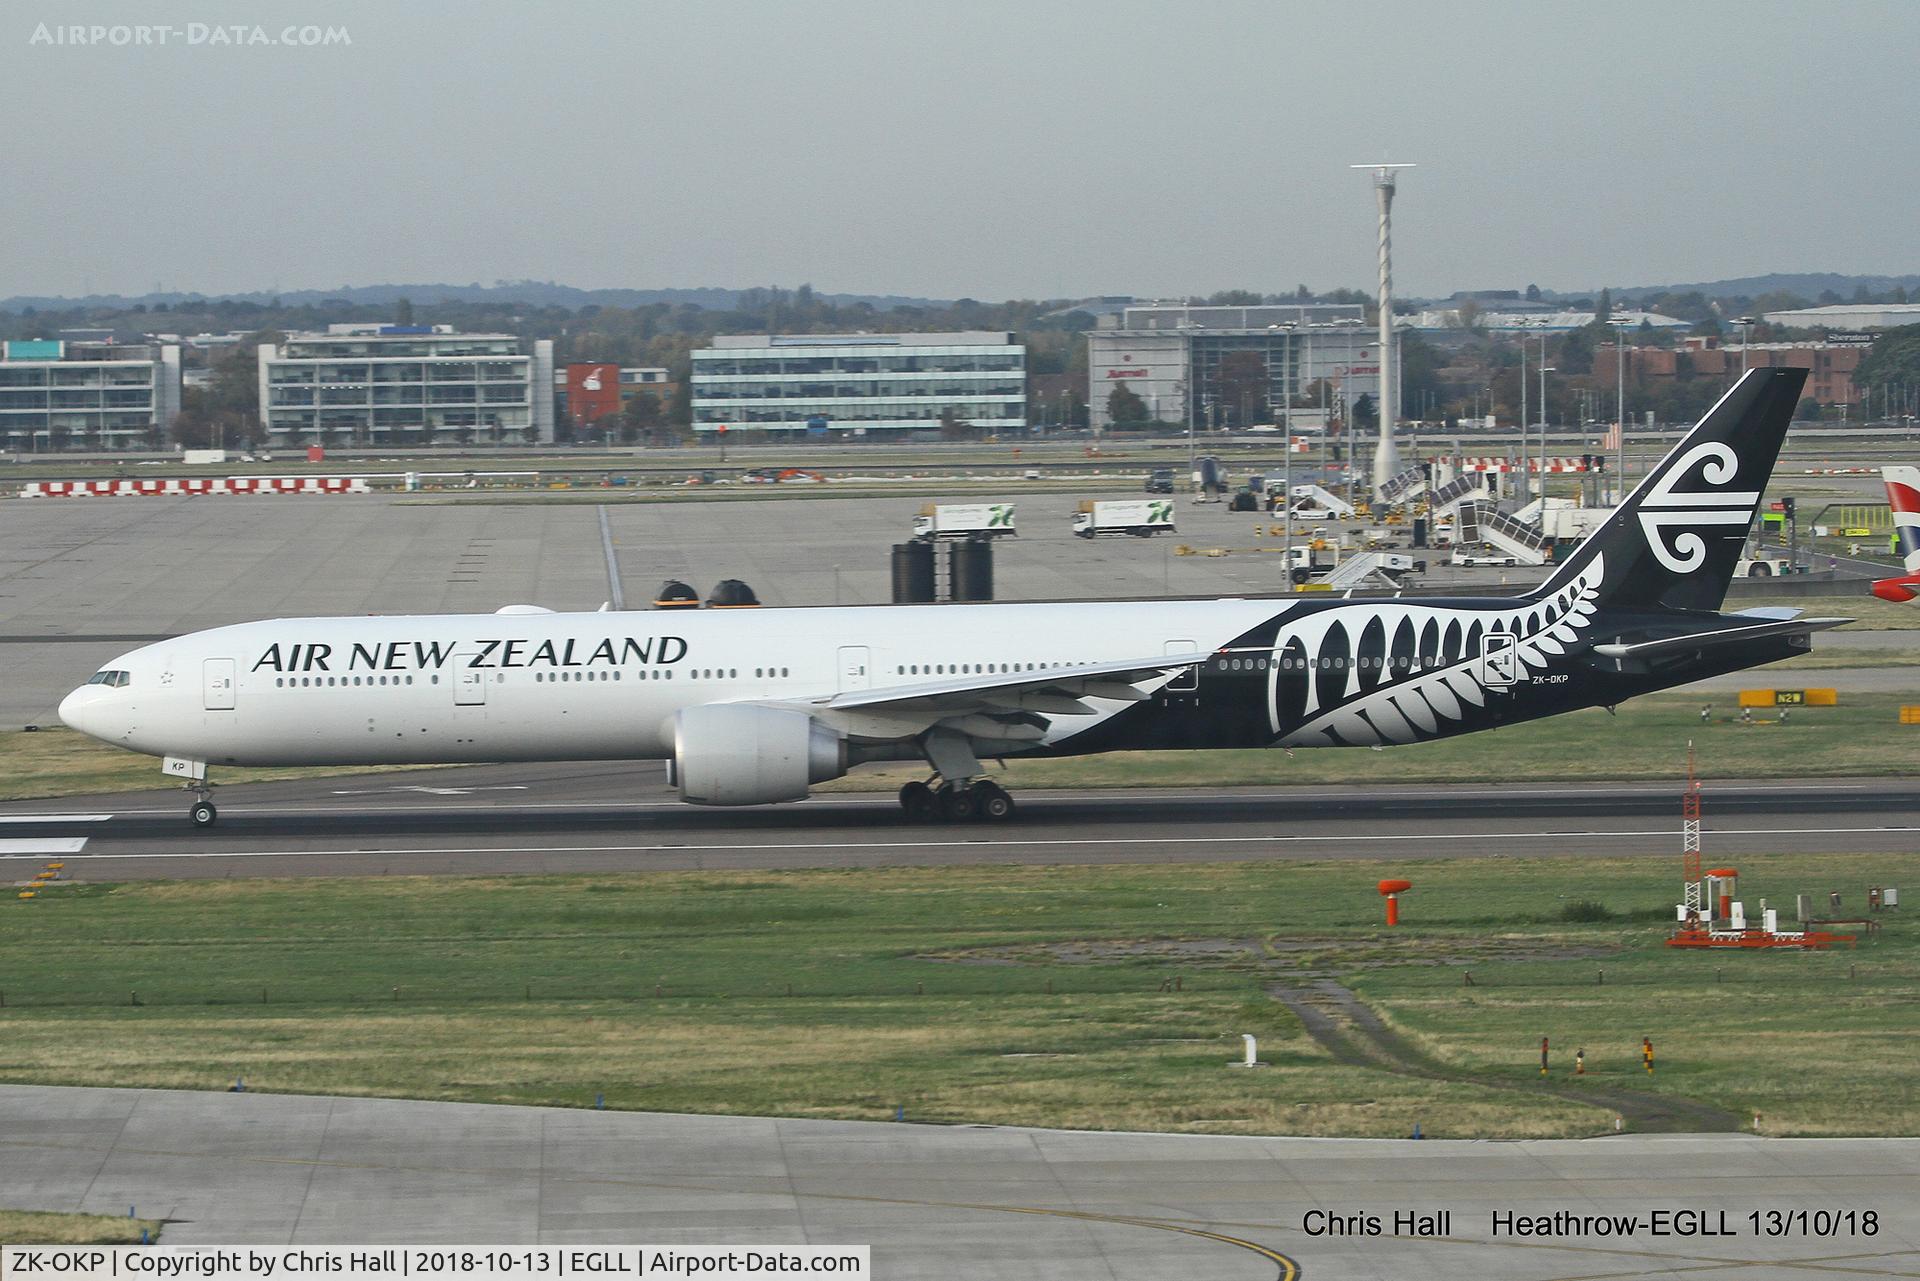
[30, 1227]
[1081, 997]
[60, 762]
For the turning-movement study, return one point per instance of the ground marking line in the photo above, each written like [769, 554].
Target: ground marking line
[1033, 796]
[10, 849]
[683, 847]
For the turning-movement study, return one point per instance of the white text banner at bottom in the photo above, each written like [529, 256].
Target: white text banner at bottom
[426, 1263]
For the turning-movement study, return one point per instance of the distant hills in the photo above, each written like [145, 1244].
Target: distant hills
[546, 293]
[535, 293]
[1810, 284]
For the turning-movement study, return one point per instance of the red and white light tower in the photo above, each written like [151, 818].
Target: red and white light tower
[1690, 840]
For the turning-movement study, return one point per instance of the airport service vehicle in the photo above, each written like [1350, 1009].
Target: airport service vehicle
[1762, 566]
[1483, 559]
[753, 706]
[1160, 481]
[1903, 495]
[1141, 519]
[964, 520]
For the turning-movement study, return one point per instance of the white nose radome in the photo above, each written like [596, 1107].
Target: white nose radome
[84, 709]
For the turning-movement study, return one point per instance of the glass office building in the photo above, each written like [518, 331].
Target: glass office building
[403, 384]
[860, 384]
[56, 394]
[1171, 356]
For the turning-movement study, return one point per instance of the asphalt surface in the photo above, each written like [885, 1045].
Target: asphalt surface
[592, 818]
[936, 1202]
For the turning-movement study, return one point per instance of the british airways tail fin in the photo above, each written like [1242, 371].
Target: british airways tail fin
[1903, 495]
[1673, 543]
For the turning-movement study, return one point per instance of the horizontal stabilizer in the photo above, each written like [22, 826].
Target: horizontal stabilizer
[1722, 636]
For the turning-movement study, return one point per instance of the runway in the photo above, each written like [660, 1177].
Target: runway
[517, 819]
[969, 1201]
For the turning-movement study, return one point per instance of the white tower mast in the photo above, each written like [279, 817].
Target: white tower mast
[1386, 459]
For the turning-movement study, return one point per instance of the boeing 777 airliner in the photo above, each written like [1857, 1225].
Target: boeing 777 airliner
[754, 706]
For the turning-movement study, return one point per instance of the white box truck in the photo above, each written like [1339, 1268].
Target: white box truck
[1142, 519]
[964, 520]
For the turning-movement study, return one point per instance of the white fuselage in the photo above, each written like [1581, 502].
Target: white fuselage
[578, 686]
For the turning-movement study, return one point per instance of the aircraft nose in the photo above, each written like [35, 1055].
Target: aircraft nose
[81, 710]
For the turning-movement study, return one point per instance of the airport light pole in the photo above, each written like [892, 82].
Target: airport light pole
[1545, 369]
[1620, 407]
[1526, 483]
[1745, 322]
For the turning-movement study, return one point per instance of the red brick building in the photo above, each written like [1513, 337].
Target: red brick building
[1830, 365]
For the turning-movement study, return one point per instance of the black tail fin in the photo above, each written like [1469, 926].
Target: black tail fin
[1674, 542]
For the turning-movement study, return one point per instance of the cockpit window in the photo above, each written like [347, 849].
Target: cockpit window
[115, 679]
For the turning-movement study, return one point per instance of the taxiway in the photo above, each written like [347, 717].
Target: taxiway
[497, 819]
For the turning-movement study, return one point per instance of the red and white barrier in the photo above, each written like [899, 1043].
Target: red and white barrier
[1554, 465]
[195, 485]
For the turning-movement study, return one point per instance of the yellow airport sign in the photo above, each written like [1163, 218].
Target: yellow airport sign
[1789, 698]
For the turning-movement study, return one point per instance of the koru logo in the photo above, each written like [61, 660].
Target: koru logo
[1664, 510]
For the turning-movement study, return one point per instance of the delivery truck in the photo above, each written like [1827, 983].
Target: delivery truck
[1142, 519]
[964, 520]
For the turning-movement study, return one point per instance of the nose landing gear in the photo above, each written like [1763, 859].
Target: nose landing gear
[204, 814]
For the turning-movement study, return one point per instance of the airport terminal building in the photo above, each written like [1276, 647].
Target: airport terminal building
[860, 383]
[397, 384]
[1170, 356]
[59, 394]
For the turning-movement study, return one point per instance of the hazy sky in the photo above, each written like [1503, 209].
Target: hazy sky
[1023, 149]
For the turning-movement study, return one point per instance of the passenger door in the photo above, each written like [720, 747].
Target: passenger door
[1499, 660]
[217, 676]
[469, 687]
[1187, 681]
[856, 668]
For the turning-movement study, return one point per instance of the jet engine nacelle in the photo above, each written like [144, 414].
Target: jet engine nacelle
[734, 754]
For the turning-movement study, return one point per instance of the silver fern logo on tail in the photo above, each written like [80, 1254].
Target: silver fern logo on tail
[1665, 509]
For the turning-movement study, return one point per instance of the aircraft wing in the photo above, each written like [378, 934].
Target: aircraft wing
[1722, 636]
[995, 705]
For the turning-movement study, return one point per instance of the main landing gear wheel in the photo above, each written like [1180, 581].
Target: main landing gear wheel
[992, 801]
[204, 814]
[959, 804]
[918, 800]
[947, 803]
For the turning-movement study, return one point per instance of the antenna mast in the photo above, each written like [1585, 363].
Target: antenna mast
[1690, 837]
